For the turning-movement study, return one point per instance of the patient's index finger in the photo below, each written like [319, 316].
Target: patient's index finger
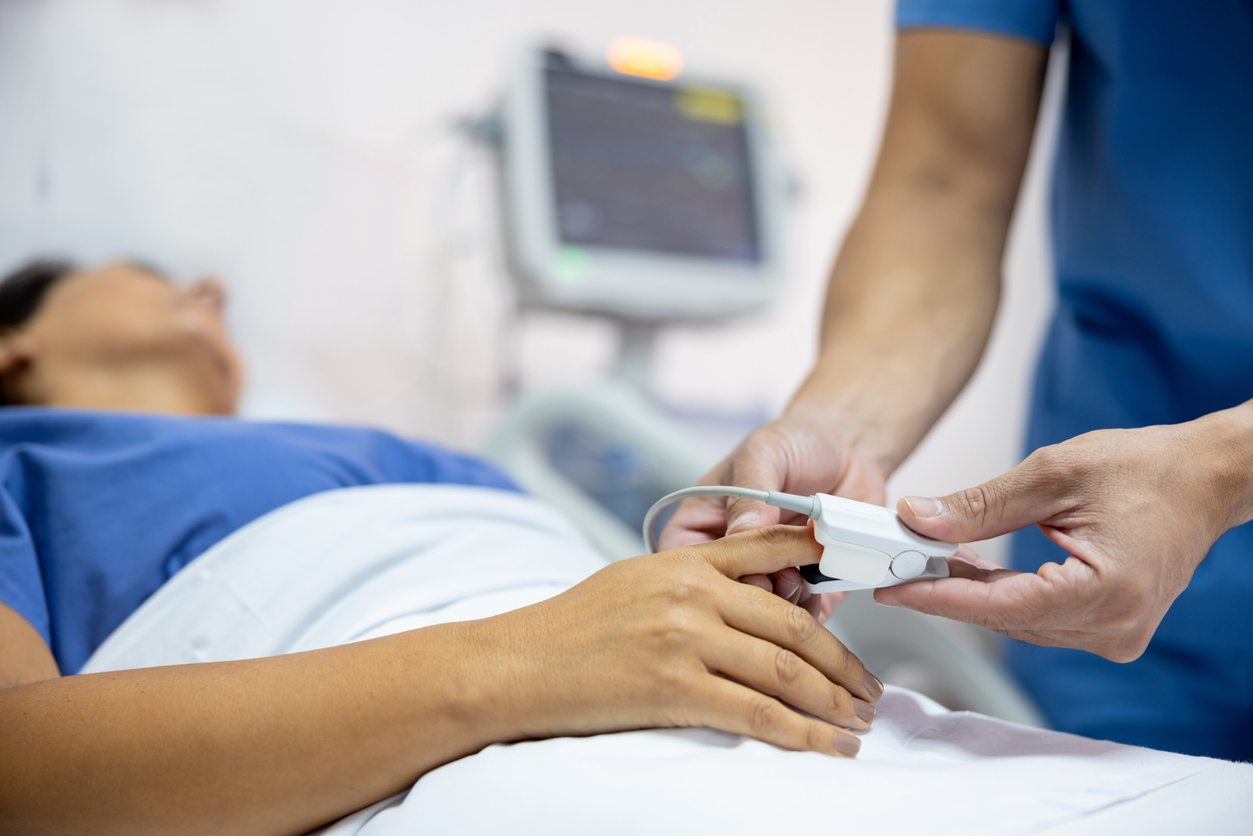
[762, 551]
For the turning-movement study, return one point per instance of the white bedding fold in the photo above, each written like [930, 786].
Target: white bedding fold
[363, 562]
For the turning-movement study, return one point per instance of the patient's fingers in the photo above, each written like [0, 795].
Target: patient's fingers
[762, 551]
[735, 708]
[781, 673]
[788, 626]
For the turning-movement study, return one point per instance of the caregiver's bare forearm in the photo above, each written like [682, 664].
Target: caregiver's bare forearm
[903, 331]
[265, 746]
[914, 291]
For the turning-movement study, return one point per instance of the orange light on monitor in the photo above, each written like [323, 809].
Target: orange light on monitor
[649, 59]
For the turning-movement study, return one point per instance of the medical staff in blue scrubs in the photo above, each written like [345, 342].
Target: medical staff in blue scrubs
[1134, 595]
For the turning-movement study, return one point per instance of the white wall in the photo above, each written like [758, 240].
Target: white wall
[302, 150]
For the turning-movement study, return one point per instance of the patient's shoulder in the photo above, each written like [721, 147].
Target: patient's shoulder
[24, 656]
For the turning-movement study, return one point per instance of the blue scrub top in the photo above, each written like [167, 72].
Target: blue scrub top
[99, 509]
[1153, 245]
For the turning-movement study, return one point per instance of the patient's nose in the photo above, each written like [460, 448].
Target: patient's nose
[210, 292]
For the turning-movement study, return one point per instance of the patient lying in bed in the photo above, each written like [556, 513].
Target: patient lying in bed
[364, 611]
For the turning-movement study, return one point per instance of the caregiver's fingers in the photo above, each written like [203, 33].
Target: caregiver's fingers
[1033, 492]
[970, 557]
[827, 604]
[735, 708]
[1000, 600]
[813, 606]
[759, 581]
[794, 629]
[698, 519]
[705, 518]
[966, 564]
[789, 585]
[761, 551]
[779, 672]
[758, 465]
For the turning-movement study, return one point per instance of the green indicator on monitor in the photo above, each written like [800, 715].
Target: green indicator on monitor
[572, 265]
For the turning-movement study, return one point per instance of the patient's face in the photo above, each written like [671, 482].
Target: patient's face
[122, 317]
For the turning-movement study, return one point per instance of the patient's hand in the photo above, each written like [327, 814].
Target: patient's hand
[791, 454]
[673, 639]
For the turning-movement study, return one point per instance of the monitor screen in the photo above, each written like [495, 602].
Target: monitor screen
[643, 166]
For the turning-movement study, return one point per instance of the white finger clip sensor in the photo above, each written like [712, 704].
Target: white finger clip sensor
[868, 547]
[863, 546]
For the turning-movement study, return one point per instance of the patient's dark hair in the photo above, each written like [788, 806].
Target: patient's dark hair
[21, 294]
[23, 290]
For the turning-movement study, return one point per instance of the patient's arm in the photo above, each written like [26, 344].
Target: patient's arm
[284, 744]
[24, 657]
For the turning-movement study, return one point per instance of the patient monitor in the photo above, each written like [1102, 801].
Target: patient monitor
[645, 200]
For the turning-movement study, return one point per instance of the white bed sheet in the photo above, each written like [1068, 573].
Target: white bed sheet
[363, 562]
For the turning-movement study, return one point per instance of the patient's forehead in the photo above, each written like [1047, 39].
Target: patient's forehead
[110, 278]
[85, 295]
[119, 272]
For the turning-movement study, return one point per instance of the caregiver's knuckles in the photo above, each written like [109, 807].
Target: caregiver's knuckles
[795, 454]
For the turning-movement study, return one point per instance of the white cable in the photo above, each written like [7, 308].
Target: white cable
[792, 502]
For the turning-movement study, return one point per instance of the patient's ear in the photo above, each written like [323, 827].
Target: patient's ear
[16, 352]
[17, 355]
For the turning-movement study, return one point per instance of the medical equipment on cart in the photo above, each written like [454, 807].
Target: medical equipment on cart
[864, 546]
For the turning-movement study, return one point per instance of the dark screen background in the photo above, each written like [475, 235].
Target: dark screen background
[631, 171]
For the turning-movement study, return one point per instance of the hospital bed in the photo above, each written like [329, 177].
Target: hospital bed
[360, 563]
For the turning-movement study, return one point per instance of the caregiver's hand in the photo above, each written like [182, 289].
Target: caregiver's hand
[790, 454]
[673, 639]
[1136, 509]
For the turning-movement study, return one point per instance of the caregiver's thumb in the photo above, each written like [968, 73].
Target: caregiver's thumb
[1028, 494]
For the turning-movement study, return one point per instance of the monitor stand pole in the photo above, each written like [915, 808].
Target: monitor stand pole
[635, 354]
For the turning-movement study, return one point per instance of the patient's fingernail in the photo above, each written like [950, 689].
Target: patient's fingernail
[847, 744]
[864, 710]
[924, 507]
[873, 685]
[745, 520]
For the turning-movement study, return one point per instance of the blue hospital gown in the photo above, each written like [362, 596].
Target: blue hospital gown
[99, 509]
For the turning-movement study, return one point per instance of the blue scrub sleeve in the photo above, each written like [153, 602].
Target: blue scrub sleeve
[21, 581]
[1035, 20]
